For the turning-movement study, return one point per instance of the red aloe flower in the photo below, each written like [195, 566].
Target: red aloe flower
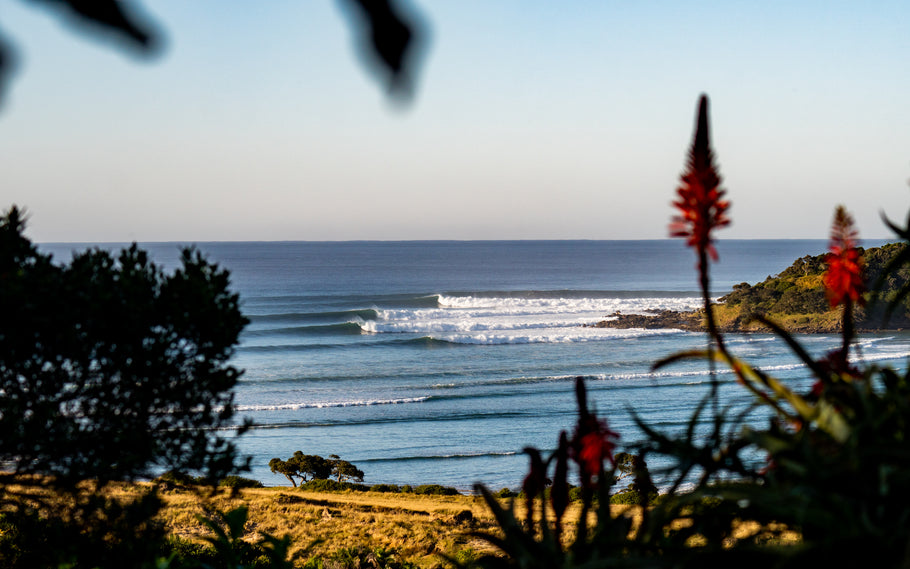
[700, 206]
[592, 444]
[844, 278]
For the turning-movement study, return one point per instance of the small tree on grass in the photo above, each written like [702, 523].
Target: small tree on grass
[285, 467]
[344, 471]
[308, 467]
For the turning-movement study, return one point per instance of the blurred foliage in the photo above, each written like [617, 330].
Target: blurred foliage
[388, 31]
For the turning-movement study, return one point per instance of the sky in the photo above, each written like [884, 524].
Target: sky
[532, 119]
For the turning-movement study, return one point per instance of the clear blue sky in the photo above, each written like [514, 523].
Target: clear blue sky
[533, 119]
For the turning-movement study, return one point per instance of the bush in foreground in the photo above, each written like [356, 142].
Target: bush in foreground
[110, 369]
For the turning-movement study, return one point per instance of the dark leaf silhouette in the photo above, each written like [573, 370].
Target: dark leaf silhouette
[116, 17]
[388, 34]
[389, 38]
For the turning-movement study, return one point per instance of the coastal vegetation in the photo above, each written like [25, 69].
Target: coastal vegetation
[312, 467]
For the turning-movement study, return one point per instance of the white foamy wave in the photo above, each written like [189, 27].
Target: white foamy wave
[750, 339]
[867, 341]
[567, 305]
[513, 320]
[554, 336]
[665, 374]
[882, 357]
[330, 404]
[477, 454]
[465, 325]
[782, 367]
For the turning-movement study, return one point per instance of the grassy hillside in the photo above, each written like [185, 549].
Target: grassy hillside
[416, 528]
[796, 299]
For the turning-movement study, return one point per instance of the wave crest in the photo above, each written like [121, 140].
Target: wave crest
[331, 404]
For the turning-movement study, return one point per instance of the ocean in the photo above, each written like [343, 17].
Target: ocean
[439, 361]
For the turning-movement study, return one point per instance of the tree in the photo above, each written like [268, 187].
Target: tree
[312, 467]
[343, 470]
[111, 369]
[308, 467]
[624, 465]
[286, 467]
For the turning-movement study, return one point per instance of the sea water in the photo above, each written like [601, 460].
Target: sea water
[438, 362]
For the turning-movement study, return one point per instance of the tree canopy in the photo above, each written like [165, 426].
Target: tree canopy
[110, 368]
[308, 467]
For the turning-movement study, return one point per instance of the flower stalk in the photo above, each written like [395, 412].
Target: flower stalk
[701, 208]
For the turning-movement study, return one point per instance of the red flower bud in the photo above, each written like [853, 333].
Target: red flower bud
[700, 206]
[844, 278]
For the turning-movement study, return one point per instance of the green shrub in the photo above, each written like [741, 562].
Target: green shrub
[575, 494]
[506, 493]
[234, 481]
[632, 498]
[30, 539]
[332, 486]
[357, 557]
[435, 490]
[175, 478]
[391, 488]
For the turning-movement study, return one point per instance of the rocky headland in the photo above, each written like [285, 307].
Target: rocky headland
[794, 299]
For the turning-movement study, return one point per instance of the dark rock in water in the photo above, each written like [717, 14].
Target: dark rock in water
[662, 319]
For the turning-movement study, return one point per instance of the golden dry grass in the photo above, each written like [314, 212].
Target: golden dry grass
[419, 528]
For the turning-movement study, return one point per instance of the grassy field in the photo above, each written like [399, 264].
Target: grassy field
[417, 527]
[420, 529]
